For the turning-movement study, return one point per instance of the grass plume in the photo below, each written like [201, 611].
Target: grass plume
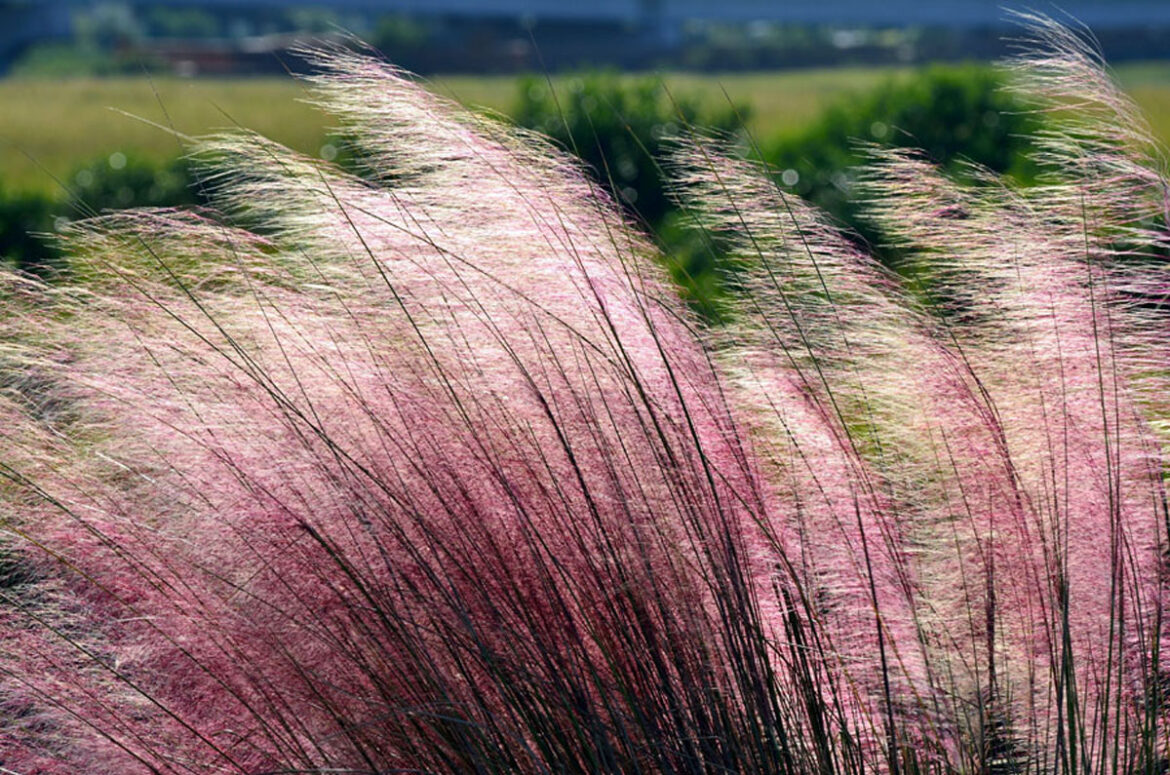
[430, 470]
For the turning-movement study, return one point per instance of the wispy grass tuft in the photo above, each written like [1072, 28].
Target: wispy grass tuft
[431, 471]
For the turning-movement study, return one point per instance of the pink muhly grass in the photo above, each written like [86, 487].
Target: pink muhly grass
[430, 470]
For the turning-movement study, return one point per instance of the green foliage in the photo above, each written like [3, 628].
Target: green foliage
[620, 127]
[120, 181]
[951, 113]
[112, 182]
[24, 215]
[692, 256]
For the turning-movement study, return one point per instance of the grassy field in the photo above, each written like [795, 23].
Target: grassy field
[48, 127]
[1149, 85]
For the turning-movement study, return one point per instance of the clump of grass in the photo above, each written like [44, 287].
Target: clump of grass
[431, 471]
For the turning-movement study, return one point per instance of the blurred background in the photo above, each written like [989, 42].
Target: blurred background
[798, 82]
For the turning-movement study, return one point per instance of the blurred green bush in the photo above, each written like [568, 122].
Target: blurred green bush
[23, 216]
[954, 114]
[620, 126]
[111, 182]
[123, 180]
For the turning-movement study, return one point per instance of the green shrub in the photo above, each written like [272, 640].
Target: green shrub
[120, 181]
[620, 127]
[108, 183]
[24, 215]
[952, 113]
